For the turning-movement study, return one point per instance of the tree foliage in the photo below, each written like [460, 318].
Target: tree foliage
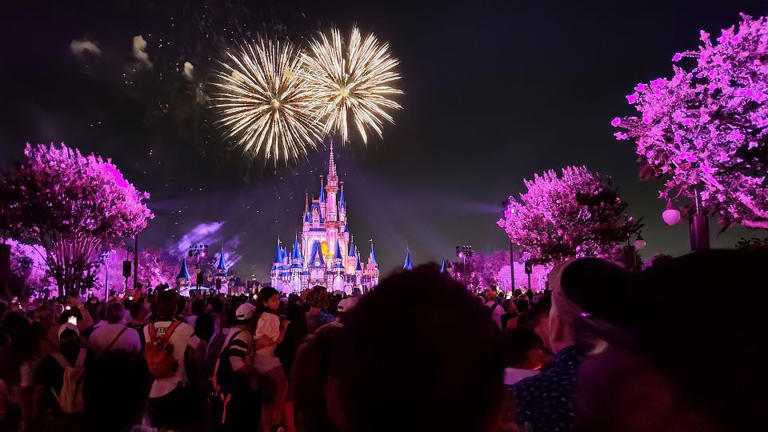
[69, 204]
[574, 214]
[704, 129]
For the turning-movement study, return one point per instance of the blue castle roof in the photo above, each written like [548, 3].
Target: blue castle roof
[351, 247]
[372, 257]
[442, 266]
[408, 264]
[278, 254]
[316, 259]
[222, 264]
[296, 253]
[342, 203]
[183, 273]
[359, 266]
[322, 193]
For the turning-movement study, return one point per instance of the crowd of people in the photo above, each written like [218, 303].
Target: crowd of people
[676, 347]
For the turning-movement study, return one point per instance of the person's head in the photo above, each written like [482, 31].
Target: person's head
[408, 366]
[268, 300]
[668, 365]
[45, 315]
[197, 307]
[138, 311]
[115, 391]
[317, 297]
[593, 274]
[204, 326]
[166, 304]
[69, 341]
[246, 316]
[115, 312]
[522, 304]
[523, 349]
[490, 294]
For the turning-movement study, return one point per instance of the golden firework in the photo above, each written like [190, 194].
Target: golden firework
[351, 81]
[265, 103]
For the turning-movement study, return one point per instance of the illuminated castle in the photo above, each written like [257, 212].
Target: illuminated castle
[325, 253]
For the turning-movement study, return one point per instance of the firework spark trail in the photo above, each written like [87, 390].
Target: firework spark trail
[265, 102]
[352, 83]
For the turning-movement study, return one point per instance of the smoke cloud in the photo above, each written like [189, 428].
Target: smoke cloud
[188, 71]
[139, 47]
[80, 48]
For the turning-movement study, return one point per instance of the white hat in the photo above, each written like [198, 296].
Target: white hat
[347, 304]
[68, 326]
[245, 312]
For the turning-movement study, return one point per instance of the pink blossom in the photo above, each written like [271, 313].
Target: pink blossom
[677, 57]
[616, 121]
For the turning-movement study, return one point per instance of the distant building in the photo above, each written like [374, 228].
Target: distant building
[325, 253]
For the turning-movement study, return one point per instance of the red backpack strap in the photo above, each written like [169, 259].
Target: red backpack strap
[152, 331]
[169, 332]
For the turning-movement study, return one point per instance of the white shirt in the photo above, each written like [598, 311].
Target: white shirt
[180, 340]
[102, 336]
[496, 312]
[269, 326]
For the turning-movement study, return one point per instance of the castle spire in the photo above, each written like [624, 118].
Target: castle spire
[342, 204]
[306, 201]
[331, 164]
[372, 256]
[222, 264]
[183, 273]
[443, 266]
[408, 264]
[322, 190]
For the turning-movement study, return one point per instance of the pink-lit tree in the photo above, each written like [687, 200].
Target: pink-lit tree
[575, 214]
[70, 205]
[704, 129]
[155, 268]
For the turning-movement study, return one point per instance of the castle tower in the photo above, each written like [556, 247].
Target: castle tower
[324, 252]
[408, 264]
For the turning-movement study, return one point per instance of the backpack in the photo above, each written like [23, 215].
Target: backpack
[70, 398]
[159, 352]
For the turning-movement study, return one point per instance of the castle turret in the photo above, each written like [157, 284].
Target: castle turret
[443, 266]
[331, 188]
[183, 272]
[408, 264]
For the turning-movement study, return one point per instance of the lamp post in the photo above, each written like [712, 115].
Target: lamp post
[505, 206]
[698, 226]
[105, 257]
[464, 252]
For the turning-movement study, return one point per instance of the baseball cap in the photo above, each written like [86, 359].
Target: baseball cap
[68, 326]
[245, 312]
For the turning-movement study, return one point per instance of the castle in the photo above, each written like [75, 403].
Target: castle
[325, 253]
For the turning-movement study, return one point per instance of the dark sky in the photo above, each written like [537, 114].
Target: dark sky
[494, 91]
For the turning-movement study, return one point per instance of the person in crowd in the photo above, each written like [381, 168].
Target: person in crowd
[667, 365]
[537, 318]
[196, 308]
[58, 387]
[166, 350]
[545, 401]
[317, 299]
[139, 314]
[115, 392]
[114, 335]
[47, 328]
[234, 372]
[492, 304]
[375, 373]
[10, 412]
[273, 382]
[524, 354]
[522, 304]
[286, 352]
[18, 360]
[510, 317]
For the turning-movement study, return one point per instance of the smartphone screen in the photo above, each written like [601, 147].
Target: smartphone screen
[72, 320]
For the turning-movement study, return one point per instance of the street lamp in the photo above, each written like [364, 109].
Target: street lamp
[104, 257]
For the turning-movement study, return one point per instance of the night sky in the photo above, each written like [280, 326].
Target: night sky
[494, 92]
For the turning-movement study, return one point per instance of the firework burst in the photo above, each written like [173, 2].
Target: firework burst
[265, 103]
[352, 82]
